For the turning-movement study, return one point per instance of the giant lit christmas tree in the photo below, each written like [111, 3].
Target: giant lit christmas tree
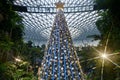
[60, 61]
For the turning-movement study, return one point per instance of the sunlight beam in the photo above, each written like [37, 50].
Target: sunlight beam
[113, 62]
[102, 69]
[96, 50]
[104, 56]
[114, 54]
[89, 59]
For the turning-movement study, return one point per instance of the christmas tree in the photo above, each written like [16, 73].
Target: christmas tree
[60, 61]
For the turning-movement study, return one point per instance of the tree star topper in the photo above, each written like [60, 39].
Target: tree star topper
[59, 5]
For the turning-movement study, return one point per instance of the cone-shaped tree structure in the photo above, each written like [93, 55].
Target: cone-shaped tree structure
[60, 61]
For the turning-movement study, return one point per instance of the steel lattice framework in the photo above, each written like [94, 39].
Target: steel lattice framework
[38, 17]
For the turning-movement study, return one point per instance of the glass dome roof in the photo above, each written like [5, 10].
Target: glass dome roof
[38, 21]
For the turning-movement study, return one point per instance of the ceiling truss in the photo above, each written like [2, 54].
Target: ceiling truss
[38, 17]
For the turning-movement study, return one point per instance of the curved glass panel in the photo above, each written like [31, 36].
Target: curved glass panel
[39, 19]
